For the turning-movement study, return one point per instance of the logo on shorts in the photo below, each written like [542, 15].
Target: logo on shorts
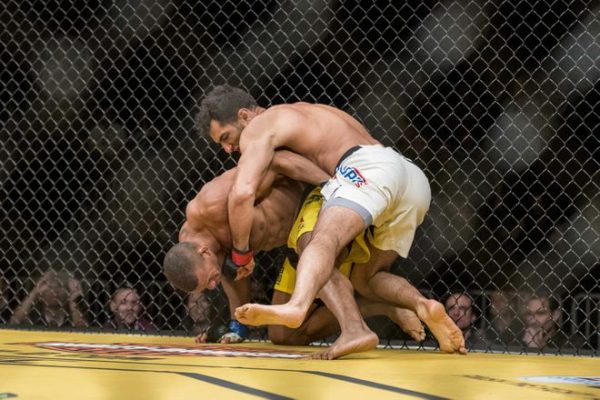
[301, 224]
[353, 175]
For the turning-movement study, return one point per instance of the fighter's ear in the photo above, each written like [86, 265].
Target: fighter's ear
[202, 249]
[244, 114]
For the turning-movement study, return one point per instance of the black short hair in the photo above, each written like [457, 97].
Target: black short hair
[222, 104]
[179, 266]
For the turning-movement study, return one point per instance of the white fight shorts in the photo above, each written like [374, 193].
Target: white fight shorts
[386, 189]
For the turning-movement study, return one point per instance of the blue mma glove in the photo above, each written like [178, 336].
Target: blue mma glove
[238, 332]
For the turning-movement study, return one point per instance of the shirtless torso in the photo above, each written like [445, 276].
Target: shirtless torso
[207, 220]
[319, 132]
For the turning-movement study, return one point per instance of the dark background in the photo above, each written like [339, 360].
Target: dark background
[498, 101]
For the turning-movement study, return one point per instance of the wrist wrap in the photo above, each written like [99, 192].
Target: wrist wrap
[241, 258]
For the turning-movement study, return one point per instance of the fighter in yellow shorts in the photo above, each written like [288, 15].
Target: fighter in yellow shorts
[319, 322]
[305, 223]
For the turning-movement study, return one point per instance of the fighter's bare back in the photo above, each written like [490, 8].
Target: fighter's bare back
[273, 214]
[318, 132]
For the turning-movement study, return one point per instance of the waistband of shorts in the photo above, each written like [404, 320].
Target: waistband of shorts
[348, 153]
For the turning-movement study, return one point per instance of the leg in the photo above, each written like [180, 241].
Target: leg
[355, 335]
[319, 324]
[406, 319]
[374, 282]
[335, 228]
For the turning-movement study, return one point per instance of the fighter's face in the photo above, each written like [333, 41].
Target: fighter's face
[209, 273]
[227, 135]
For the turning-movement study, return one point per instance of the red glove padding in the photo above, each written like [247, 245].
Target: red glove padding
[244, 260]
[241, 258]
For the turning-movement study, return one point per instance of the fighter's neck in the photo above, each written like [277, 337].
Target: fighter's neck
[204, 238]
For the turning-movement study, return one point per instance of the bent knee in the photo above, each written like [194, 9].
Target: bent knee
[279, 339]
[279, 335]
[287, 337]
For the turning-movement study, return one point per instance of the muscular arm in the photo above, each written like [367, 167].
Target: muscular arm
[253, 165]
[297, 167]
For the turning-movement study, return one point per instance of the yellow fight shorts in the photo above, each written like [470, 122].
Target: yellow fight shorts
[305, 222]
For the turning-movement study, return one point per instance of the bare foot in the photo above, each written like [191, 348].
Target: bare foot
[348, 343]
[408, 321]
[260, 314]
[449, 337]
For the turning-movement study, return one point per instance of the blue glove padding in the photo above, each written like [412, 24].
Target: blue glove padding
[238, 332]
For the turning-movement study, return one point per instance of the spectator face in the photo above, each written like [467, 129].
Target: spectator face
[126, 306]
[501, 311]
[460, 309]
[198, 307]
[539, 316]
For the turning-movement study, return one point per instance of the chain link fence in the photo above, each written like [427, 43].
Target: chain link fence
[497, 100]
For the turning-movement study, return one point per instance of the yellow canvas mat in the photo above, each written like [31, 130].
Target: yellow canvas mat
[57, 365]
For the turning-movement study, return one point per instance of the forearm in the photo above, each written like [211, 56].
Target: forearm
[238, 292]
[240, 203]
[241, 214]
[297, 167]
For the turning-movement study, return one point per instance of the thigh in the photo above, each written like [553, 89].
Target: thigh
[337, 226]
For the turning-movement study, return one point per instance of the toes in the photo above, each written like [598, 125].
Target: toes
[240, 312]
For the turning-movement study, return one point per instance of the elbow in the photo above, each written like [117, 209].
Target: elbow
[242, 194]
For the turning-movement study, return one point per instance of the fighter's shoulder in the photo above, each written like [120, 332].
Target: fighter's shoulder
[282, 114]
[202, 209]
[212, 195]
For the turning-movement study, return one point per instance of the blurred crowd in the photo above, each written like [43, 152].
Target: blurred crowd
[502, 319]
[58, 300]
[489, 320]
